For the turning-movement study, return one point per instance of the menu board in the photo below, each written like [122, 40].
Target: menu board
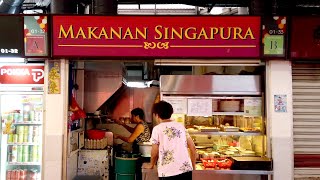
[199, 107]
[11, 38]
[179, 104]
[253, 106]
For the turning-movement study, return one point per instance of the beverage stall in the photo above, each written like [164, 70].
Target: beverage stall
[22, 96]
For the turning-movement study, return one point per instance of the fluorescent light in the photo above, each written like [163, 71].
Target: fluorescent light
[12, 60]
[216, 10]
[137, 84]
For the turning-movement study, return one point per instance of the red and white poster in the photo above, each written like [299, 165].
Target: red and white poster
[22, 74]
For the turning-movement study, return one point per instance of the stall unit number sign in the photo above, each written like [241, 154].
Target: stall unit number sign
[9, 51]
[274, 45]
[11, 38]
[274, 33]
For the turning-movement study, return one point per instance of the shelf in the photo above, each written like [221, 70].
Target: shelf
[233, 114]
[228, 113]
[253, 172]
[96, 116]
[74, 152]
[235, 97]
[227, 133]
[25, 143]
[24, 163]
[28, 123]
[77, 130]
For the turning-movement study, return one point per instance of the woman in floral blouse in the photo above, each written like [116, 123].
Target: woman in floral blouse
[170, 143]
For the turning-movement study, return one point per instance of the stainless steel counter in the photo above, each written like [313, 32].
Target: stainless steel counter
[253, 172]
[151, 174]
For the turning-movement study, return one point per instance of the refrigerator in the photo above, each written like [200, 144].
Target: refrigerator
[21, 112]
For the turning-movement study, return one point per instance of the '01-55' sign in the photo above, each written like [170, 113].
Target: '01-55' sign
[22, 74]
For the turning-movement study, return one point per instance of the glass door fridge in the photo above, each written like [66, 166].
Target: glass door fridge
[21, 135]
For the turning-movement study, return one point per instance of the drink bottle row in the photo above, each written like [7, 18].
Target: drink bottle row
[25, 134]
[23, 153]
[23, 174]
[27, 115]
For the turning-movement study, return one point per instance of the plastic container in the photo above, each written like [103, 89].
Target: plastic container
[216, 163]
[209, 163]
[125, 165]
[145, 149]
[95, 134]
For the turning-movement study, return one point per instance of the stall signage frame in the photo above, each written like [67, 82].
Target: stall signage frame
[274, 33]
[36, 36]
[22, 74]
[11, 38]
[160, 36]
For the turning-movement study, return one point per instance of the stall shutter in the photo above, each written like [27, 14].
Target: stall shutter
[306, 120]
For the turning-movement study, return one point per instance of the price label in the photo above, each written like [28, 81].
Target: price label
[274, 45]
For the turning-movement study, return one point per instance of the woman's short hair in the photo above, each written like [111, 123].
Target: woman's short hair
[163, 109]
[138, 112]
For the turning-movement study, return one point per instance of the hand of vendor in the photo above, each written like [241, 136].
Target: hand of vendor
[147, 166]
[119, 122]
[117, 136]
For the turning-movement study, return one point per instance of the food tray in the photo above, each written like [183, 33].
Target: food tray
[250, 130]
[192, 130]
[230, 129]
[216, 163]
[209, 162]
[209, 129]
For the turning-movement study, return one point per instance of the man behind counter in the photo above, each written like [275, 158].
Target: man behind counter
[140, 133]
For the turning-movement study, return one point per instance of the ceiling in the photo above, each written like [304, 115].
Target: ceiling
[296, 7]
[201, 3]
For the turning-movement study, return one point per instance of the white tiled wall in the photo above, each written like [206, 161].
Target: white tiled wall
[55, 123]
[280, 125]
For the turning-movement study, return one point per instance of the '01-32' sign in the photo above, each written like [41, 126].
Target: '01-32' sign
[11, 39]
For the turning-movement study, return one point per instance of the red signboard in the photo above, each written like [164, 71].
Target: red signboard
[305, 37]
[22, 74]
[160, 36]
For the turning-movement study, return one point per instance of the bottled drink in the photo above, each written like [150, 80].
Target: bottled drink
[26, 112]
